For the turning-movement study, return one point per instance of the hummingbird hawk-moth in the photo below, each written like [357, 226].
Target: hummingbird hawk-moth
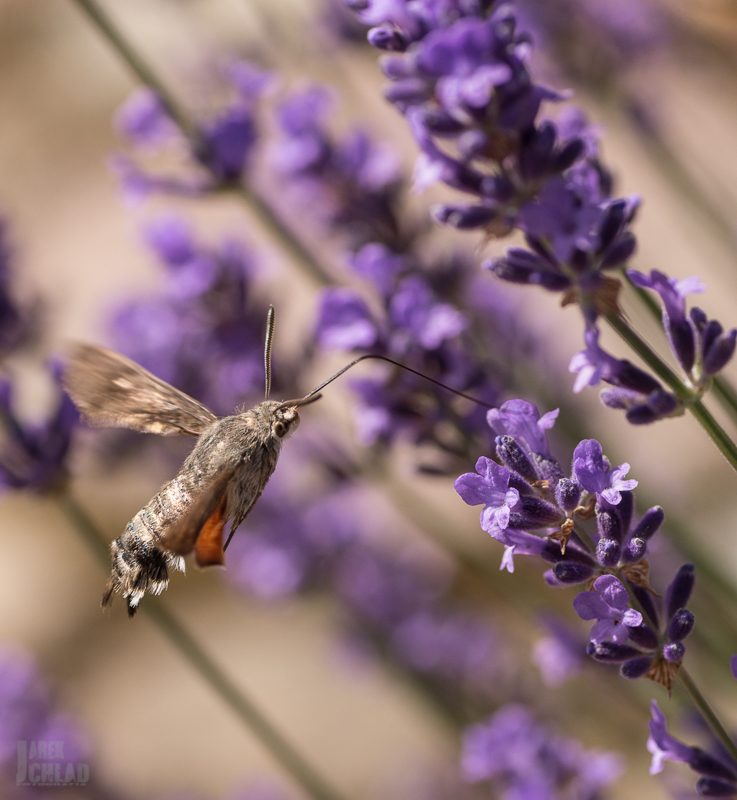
[220, 480]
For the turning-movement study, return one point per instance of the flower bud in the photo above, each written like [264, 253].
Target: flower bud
[611, 653]
[706, 764]
[532, 512]
[650, 523]
[608, 552]
[514, 458]
[636, 667]
[680, 625]
[568, 494]
[634, 550]
[674, 652]
[714, 787]
[679, 591]
[570, 573]
[609, 525]
[644, 636]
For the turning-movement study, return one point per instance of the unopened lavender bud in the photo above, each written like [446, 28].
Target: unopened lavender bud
[464, 217]
[681, 336]
[609, 525]
[387, 37]
[547, 468]
[680, 625]
[514, 458]
[720, 353]
[472, 143]
[650, 523]
[645, 599]
[625, 510]
[568, 155]
[570, 573]
[551, 553]
[632, 377]
[634, 550]
[644, 636]
[608, 552]
[568, 494]
[706, 764]
[612, 653]
[673, 652]
[532, 512]
[679, 591]
[520, 484]
[636, 667]
[620, 252]
[714, 787]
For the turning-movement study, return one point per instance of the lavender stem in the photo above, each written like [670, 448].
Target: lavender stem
[265, 214]
[707, 713]
[195, 654]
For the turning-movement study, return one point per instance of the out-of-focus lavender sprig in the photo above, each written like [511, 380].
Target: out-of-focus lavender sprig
[18, 322]
[350, 185]
[33, 455]
[224, 142]
[28, 714]
[523, 758]
[718, 773]
[203, 332]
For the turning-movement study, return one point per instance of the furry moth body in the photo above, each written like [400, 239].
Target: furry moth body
[221, 479]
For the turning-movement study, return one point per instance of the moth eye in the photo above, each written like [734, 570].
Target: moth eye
[280, 429]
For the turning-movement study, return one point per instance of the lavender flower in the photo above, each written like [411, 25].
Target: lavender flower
[695, 340]
[608, 604]
[203, 332]
[221, 144]
[523, 758]
[719, 779]
[595, 474]
[490, 487]
[34, 454]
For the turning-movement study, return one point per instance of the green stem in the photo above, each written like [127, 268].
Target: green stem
[195, 654]
[707, 713]
[723, 389]
[258, 205]
[704, 417]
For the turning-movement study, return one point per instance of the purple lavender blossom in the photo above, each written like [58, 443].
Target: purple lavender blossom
[662, 745]
[525, 759]
[596, 475]
[560, 653]
[522, 420]
[608, 604]
[27, 713]
[34, 454]
[490, 487]
[144, 120]
[203, 332]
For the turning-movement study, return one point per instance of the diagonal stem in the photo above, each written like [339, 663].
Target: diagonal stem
[260, 208]
[177, 635]
[707, 712]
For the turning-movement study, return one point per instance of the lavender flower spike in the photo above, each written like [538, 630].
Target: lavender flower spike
[608, 605]
[491, 487]
[595, 474]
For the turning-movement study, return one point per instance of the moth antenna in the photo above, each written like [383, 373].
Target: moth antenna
[396, 364]
[270, 319]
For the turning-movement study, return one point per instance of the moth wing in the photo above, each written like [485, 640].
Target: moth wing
[263, 480]
[112, 391]
[205, 518]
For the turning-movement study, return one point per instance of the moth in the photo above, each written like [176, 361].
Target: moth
[221, 479]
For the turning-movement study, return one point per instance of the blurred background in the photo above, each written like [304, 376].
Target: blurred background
[658, 77]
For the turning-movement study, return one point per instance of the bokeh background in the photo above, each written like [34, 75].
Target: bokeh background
[665, 98]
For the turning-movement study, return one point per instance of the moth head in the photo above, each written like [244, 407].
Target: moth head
[285, 421]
